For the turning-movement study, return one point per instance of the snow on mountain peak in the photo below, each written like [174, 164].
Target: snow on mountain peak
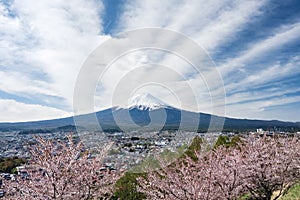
[146, 101]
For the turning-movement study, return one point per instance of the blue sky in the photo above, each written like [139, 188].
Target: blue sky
[255, 45]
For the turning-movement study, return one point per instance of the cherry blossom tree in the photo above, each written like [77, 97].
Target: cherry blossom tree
[259, 167]
[213, 175]
[226, 173]
[180, 180]
[60, 170]
[272, 166]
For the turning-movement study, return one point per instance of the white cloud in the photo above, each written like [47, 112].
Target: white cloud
[264, 75]
[271, 102]
[210, 23]
[258, 49]
[13, 111]
[264, 109]
[44, 43]
[18, 83]
[164, 75]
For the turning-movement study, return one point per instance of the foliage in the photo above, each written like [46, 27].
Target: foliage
[194, 147]
[224, 140]
[127, 187]
[8, 165]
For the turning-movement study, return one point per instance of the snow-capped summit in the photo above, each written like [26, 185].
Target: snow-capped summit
[146, 101]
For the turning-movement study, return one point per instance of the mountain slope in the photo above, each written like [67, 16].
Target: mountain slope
[147, 112]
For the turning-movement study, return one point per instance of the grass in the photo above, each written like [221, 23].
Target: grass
[293, 194]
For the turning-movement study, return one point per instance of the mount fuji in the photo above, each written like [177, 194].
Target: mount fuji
[146, 112]
[146, 101]
[143, 111]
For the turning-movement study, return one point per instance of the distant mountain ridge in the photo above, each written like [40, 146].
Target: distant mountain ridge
[147, 112]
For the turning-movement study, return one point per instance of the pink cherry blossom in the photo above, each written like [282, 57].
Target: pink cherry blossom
[58, 170]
